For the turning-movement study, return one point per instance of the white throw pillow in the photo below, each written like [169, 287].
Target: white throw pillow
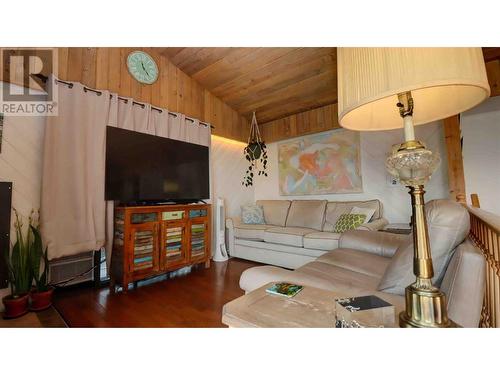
[364, 211]
[252, 214]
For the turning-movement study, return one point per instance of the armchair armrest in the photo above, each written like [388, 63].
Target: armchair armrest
[230, 233]
[379, 243]
[374, 225]
[230, 221]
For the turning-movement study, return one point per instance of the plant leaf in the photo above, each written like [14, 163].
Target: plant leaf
[36, 253]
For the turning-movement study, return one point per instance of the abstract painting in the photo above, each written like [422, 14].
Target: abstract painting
[323, 163]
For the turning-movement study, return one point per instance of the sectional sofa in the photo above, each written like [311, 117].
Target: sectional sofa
[382, 264]
[295, 232]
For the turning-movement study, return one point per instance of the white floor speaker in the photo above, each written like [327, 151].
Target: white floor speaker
[220, 251]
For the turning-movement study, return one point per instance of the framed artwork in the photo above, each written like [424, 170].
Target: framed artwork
[323, 163]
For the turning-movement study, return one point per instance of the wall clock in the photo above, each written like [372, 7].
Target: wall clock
[142, 67]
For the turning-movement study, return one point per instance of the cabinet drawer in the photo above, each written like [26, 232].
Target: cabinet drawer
[172, 215]
[143, 217]
[197, 213]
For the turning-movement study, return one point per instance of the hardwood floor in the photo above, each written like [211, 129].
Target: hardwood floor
[194, 300]
[49, 318]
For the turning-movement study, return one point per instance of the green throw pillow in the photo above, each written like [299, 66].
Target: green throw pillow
[348, 221]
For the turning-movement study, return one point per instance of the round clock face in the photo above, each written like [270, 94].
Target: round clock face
[142, 67]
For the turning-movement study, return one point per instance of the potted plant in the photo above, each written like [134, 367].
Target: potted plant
[254, 152]
[41, 293]
[19, 272]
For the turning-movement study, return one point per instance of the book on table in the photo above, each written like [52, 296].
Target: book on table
[284, 289]
[363, 311]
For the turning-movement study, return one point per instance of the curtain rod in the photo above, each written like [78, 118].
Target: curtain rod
[70, 85]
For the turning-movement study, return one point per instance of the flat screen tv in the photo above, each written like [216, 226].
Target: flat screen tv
[142, 168]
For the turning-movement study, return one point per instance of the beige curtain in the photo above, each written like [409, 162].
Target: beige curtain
[72, 204]
[75, 216]
[187, 129]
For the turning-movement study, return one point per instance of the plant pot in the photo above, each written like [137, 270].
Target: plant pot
[15, 307]
[41, 300]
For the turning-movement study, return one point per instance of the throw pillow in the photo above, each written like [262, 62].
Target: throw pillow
[364, 211]
[348, 221]
[252, 214]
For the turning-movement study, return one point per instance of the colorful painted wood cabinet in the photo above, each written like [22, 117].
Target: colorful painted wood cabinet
[151, 240]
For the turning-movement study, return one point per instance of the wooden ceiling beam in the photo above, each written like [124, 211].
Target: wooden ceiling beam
[491, 53]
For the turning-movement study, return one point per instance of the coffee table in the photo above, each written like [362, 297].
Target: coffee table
[311, 307]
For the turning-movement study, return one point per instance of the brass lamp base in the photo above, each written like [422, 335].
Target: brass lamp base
[425, 308]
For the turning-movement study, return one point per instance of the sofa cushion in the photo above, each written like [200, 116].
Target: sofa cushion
[357, 261]
[306, 214]
[335, 209]
[275, 211]
[251, 231]
[342, 278]
[252, 214]
[291, 236]
[379, 243]
[448, 224]
[278, 248]
[322, 240]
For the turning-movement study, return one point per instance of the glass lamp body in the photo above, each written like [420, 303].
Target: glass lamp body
[412, 166]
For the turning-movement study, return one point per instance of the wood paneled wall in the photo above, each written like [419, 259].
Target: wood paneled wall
[309, 122]
[105, 68]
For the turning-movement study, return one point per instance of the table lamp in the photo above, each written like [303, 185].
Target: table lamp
[390, 88]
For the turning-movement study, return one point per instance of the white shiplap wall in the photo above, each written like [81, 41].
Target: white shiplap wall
[21, 163]
[228, 168]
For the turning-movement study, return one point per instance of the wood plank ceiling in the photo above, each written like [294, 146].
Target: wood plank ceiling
[274, 82]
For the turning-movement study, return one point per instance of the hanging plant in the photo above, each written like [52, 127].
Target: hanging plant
[255, 153]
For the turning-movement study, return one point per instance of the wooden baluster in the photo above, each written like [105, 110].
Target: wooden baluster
[489, 292]
[493, 286]
[495, 250]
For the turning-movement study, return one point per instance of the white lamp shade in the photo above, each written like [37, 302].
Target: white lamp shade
[442, 81]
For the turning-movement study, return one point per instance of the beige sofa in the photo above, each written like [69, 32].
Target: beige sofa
[296, 232]
[382, 264]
